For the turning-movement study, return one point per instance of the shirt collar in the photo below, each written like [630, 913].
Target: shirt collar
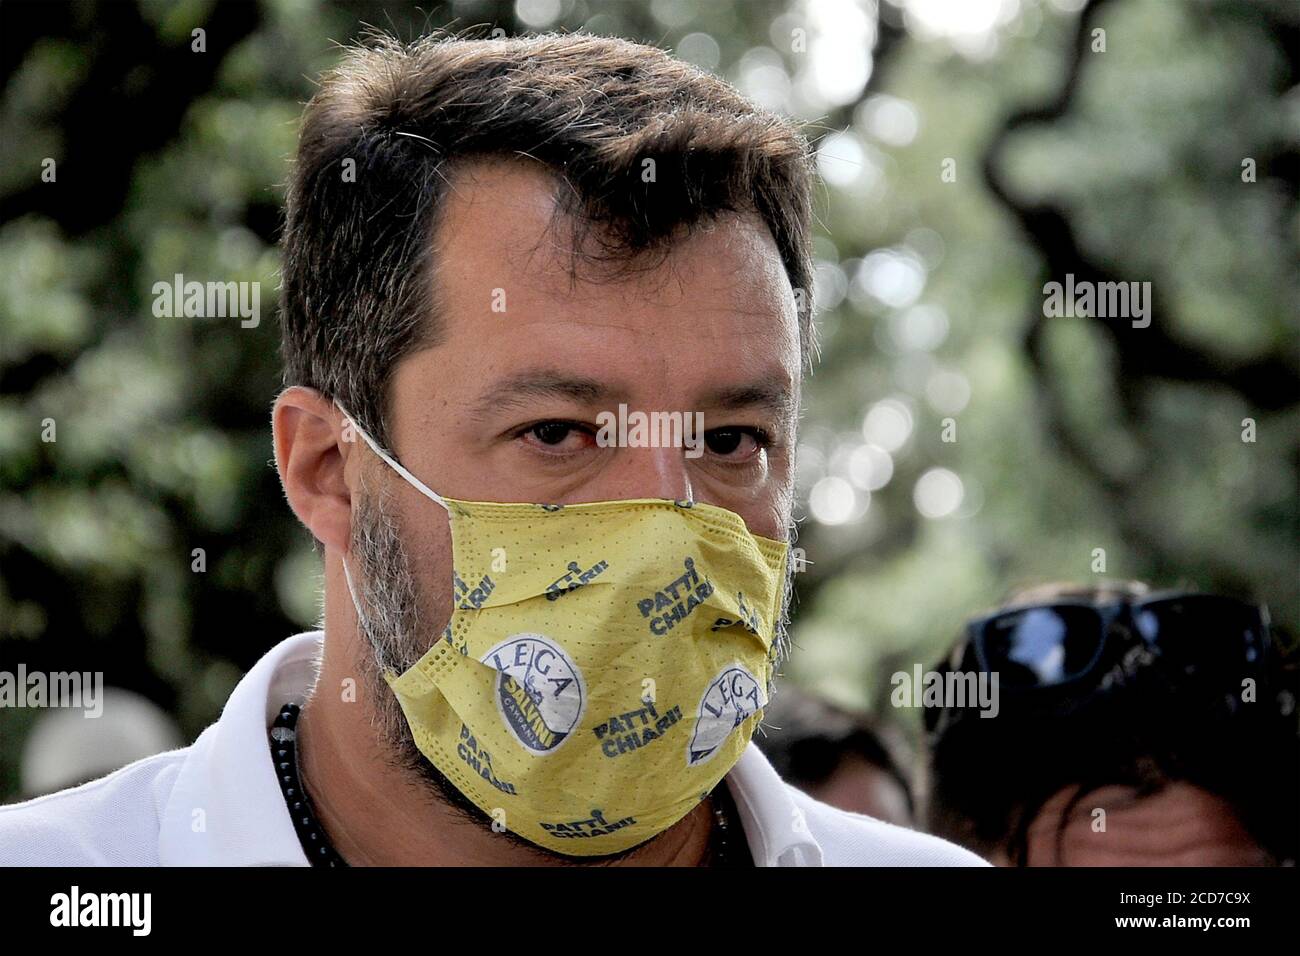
[774, 825]
[226, 809]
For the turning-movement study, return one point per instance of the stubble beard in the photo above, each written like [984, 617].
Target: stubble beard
[394, 628]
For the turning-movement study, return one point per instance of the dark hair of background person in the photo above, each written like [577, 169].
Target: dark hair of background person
[989, 779]
[807, 739]
[359, 292]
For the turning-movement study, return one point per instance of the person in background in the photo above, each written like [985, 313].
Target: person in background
[837, 756]
[1135, 728]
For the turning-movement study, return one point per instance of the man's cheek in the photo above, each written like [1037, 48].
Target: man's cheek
[432, 569]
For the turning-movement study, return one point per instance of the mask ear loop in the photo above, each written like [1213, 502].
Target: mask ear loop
[393, 464]
[352, 593]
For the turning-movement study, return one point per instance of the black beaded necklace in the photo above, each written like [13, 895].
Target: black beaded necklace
[284, 751]
[727, 846]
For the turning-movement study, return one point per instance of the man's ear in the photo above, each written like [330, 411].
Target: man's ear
[312, 445]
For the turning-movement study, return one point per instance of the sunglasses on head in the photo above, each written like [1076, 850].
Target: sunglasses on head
[1063, 642]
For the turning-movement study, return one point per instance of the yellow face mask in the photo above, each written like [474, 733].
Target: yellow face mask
[604, 667]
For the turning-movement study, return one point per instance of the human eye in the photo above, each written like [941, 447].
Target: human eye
[737, 444]
[555, 437]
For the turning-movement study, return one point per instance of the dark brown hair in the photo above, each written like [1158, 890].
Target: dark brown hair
[358, 283]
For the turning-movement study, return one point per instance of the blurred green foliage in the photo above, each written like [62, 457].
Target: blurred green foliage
[1071, 434]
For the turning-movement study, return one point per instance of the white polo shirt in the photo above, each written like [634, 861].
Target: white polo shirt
[218, 803]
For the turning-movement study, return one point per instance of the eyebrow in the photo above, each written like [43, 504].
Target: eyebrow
[519, 389]
[775, 397]
[540, 383]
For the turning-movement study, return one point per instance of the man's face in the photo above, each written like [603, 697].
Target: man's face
[505, 407]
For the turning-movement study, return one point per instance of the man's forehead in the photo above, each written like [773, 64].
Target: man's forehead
[708, 324]
[503, 248]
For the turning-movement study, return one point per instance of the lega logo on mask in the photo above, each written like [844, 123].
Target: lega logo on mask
[540, 692]
[731, 697]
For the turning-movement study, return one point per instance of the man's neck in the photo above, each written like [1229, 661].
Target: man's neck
[378, 814]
